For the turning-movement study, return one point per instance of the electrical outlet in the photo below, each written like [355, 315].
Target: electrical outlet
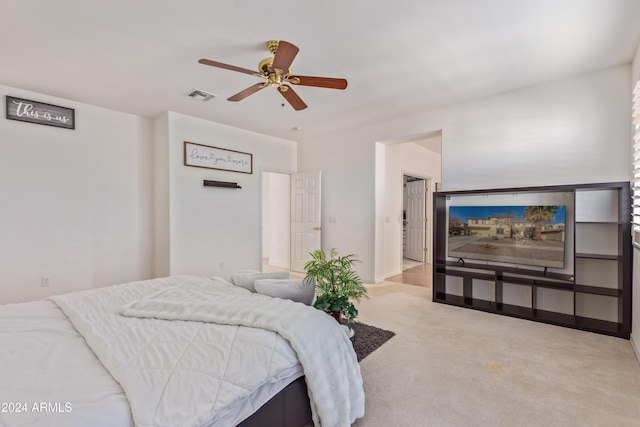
[221, 265]
[44, 282]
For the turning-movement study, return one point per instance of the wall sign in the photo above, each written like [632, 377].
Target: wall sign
[205, 156]
[25, 110]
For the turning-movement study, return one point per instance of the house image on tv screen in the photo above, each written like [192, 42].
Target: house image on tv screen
[531, 235]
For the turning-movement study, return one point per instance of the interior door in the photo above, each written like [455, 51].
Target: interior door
[416, 220]
[306, 230]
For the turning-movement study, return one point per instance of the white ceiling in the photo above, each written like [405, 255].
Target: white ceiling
[400, 57]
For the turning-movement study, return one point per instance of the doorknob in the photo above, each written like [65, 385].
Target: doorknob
[316, 228]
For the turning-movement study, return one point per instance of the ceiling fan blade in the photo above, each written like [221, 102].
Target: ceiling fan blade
[285, 54]
[289, 94]
[226, 66]
[248, 91]
[326, 82]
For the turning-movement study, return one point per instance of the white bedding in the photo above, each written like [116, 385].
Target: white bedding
[336, 394]
[48, 375]
[174, 373]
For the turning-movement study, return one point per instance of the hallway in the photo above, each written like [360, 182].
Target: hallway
[416, 276]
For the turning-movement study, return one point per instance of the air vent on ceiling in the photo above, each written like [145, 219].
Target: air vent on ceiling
[200, 95]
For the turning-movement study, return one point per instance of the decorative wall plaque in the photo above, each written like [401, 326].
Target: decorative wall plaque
[40, 113]
[205, 156]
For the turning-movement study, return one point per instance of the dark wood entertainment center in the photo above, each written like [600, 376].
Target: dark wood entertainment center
[593, 290]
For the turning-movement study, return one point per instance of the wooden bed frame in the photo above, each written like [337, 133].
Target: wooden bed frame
[289, 408]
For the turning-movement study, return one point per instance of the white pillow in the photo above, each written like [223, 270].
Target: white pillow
[246, 278]
[297, 290]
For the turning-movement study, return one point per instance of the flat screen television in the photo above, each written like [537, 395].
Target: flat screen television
[526, 235]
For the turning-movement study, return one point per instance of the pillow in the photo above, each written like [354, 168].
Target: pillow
[297, 290]
[245, 278]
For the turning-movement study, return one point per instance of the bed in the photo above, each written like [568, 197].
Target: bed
[176, 351]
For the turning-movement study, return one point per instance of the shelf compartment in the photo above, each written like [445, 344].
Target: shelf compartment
[484, 290]
[516, 295]
[554, 300]
[598, 307]
[598, 272]
[594, 238]
[597, 205]
[454, 285]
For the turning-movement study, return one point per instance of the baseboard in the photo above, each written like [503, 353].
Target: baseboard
[636, 351]
[393, 274]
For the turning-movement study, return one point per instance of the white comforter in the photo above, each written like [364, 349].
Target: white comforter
[177, 373]
[330, 365]
[48, 375]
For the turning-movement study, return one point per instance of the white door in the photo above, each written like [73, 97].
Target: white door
[305, 218]
[416, 220]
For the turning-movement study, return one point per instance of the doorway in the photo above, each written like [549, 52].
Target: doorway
[415, 230]
[417, 156]
[276, 196]
[290, 220]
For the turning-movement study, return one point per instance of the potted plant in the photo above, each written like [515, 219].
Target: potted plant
[337, 284]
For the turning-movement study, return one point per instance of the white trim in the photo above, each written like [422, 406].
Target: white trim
[635, 348]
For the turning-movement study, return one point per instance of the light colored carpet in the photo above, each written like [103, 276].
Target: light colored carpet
[449, 366]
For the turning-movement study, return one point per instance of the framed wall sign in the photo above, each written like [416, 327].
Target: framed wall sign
[40, 113]
[205, 156]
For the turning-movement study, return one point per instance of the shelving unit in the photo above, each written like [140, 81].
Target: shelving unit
[593, 290]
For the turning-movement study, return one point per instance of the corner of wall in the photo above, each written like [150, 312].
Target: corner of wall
[161, 217]
[635, 66]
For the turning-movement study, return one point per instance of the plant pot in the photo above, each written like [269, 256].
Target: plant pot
[337, 315]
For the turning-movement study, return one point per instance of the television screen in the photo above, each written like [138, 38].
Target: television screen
[530, 235]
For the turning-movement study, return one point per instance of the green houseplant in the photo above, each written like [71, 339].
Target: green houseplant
[337, 284]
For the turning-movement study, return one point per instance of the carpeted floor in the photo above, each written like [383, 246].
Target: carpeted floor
[368, 338]
[449, 366]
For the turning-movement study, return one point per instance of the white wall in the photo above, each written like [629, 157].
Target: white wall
[347, 163]
[406, 158]
[75, 204]
[215, 231]
[569, 131]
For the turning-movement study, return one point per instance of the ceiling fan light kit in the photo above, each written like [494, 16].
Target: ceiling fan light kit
[277, 72]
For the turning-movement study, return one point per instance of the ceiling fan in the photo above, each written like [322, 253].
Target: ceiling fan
[277, 73]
